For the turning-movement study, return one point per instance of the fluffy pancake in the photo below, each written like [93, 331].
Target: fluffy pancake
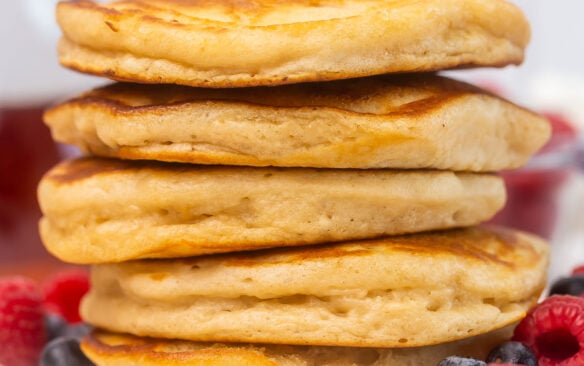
[111, 349]
[403, 291]
[234, 43]
[107, 210]
[410, 121]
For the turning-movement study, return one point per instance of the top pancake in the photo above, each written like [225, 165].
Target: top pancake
[400, 121]
[239, 43]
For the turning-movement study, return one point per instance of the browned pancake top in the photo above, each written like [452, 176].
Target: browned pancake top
[178, 13]
[75, 170]
[395, 95]
[491, 246]
[105, 345]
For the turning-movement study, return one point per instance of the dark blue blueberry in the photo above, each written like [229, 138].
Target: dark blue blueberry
[512, 352]
[573, 285]
[55, 326]
[461, 361]
[64, 351]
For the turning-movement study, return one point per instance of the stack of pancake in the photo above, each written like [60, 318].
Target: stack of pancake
[289, 183]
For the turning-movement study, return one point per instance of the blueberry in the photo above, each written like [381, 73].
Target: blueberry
[512, 352]
[55, 325]
[64, 351]
[573, 285]
[461, 361]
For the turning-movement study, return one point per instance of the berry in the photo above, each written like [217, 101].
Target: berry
[512, 353]
[64, 291]
[64, 351]
[22, 331]
[554, 330]
[461, 361]
[573, 285]
[56, 327]
[578, 270]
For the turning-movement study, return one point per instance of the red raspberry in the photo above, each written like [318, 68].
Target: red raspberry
[22, 331]
[64, 291]
[578, 270]
[554, 330]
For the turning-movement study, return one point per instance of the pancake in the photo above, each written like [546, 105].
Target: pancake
[107, 210]
[410, 121]
[395, 292]
[235, 43]
[111, 349]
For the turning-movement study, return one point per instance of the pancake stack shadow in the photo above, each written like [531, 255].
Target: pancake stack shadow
[290, 183]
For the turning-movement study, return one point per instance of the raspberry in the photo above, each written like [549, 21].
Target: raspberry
[578, 270]
[554, 330]
[64, 291]
[22, 332]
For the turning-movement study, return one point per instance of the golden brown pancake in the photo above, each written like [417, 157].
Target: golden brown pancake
[235, 43]
[404, 291]
[406, 121]
[106, 210]
[111, 349]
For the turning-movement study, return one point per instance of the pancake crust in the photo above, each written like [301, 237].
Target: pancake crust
[111, 349]
[409, 121]
[235, 43]
[107, 210]
[404, 291]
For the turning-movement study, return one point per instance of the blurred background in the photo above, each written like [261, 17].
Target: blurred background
[546, 197]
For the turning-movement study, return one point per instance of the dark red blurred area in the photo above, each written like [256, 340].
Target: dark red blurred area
[26, 153]
[532, 200]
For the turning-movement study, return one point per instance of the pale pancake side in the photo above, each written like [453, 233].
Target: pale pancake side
[111, 349]
[405, 121]
[403, 291]
[106, 210]
[250, 43]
